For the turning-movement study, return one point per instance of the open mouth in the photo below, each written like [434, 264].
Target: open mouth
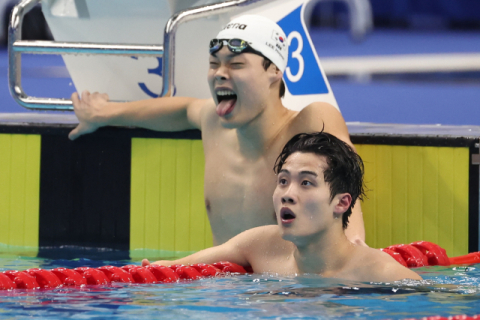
[287, 215]
[226, 101]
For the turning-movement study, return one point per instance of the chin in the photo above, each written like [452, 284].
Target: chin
[288, 235]
[228, 124]
[298, 239]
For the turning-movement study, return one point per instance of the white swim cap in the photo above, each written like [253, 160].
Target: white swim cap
[262, 34]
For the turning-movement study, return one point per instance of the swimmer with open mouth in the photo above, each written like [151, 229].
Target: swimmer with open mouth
[234, 76]
[244, 125]
[287, 216]
[226, 100]
[319, 179]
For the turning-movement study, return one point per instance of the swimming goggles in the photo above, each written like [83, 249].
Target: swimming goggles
[234, 45]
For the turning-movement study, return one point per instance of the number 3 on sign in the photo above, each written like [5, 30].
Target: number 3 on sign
[297, 54]
[302, 75]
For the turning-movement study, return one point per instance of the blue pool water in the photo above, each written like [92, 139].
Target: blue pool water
[445, 291]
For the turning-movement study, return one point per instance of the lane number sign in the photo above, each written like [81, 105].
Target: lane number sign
[303, 75]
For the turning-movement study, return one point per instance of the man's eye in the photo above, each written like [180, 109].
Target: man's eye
[282, 181]
[213, 64]
[237, 64]
[306, 183]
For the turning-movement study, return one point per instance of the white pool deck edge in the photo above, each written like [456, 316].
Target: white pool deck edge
[355, 128]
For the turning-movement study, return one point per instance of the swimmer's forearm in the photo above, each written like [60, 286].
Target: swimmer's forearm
[161, 114]
[166, 263]
[192, 259]
[228, 251]
[355, 231]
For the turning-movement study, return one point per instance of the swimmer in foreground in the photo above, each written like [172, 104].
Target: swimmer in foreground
[244, 126]
[319, 179]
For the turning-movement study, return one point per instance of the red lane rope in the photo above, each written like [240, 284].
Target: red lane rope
[424, 253]
[49, 279]
[416, 254]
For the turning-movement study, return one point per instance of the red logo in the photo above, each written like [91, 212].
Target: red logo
[281, 39]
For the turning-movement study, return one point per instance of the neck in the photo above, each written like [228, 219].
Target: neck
[326, 253]
[257, 136]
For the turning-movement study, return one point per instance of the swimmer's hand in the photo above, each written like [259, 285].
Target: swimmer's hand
[89, 110]
[146, 262]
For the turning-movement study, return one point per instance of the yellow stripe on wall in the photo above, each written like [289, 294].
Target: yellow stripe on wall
[416, 193]
[167, 204]
[19, 189]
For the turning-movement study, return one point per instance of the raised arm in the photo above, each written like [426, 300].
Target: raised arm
[163, 114]
[318, 116]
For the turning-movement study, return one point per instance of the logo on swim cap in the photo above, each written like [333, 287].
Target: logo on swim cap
[279, 40]
[262, 34]
[235, 26]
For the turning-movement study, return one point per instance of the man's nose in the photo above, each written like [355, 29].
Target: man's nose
[288, 197]
[221, 73]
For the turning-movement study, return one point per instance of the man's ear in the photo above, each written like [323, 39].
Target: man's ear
[343, 203]
[274, 73]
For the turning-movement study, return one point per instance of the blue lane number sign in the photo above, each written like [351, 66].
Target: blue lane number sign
[303, 75]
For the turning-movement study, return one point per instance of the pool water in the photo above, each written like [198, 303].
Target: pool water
[445, 291]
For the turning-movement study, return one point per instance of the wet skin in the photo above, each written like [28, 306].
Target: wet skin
[243, 145]
[309, 237]
[240, 146]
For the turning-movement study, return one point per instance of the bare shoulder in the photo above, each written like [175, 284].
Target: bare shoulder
[262, 234]
[319, 116]
[383, 268]
[260, 239]
[320, 110]
[205, 108]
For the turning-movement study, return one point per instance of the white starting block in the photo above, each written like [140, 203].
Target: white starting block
[120, 47]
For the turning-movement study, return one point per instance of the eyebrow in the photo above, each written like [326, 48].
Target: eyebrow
[301, 172]
[309, 173]
[229, 56]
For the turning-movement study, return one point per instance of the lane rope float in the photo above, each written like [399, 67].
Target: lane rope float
[413, 255]
[424, 253]
[36, 278]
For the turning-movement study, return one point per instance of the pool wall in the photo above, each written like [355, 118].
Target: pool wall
[138, 190]
[167, 204]
[416, 193]
[19, 189]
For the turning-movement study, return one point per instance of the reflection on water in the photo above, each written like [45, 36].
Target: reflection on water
[445, 291]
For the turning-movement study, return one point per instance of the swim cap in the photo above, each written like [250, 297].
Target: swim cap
[262, 34]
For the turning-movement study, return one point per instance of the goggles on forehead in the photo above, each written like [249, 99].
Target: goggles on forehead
[234, 45]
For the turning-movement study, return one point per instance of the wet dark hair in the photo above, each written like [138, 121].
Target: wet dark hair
[344, 173]
[266, 64]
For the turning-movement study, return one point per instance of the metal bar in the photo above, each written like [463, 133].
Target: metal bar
[15, 62]
[45, 104]
[171, 28]
[52, 47]
[15, 59]
[16, 47]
